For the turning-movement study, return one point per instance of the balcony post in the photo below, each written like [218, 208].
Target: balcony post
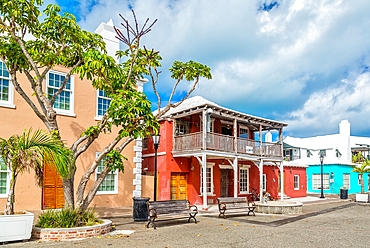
[260, 138]
[235, 136]
[204, 129]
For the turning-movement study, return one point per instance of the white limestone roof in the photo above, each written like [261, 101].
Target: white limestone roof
[314, 143]
[325, 142]
[198, 101]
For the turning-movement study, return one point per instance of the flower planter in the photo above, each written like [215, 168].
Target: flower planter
[16, 227]
[362, 198]
[62, 234]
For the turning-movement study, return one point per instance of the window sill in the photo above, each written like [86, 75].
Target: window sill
[98, 118]
[107, 193]
[70, 114]
[7, 105]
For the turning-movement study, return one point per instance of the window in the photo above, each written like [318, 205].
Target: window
[337, 153]
[264, 182]
[346, 181]
[309, 153]
[182, 127]
[359, 179]
[103, 103]
[209, 180]
[110, 182]
[64, 102]
[322, 152]
[243, 132]
[316, 181]
[145, 143]
[4, 179]
[211, 124]
[243, 180]
[6, 87]
[296, 182]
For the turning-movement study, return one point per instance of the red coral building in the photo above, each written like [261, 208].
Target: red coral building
[233, 150]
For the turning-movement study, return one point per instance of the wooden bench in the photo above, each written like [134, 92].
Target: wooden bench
[170, 210]
[235, 204]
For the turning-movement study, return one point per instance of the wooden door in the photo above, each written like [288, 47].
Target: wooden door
[224, 183]
[179, 186]
[52, 189]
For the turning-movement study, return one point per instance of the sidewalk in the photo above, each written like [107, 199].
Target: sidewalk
[114, 212]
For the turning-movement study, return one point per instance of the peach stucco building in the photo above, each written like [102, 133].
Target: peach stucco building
[78, 108]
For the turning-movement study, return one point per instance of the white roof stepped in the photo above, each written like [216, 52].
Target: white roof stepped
[314, 143]
[325, 142]
[198, 101]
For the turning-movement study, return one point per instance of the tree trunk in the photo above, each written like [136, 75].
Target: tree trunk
[68, 192]
[9, 206]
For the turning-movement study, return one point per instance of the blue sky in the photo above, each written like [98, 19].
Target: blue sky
[303, 62]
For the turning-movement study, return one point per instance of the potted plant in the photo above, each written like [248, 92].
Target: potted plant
[361, 168]
[23, 153]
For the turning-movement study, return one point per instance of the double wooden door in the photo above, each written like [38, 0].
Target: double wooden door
[179, 186]
[52, 189]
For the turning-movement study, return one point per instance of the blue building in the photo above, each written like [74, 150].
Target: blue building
[337, 150]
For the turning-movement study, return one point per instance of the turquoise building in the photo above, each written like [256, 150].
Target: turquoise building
[336, 151]
[335, 177]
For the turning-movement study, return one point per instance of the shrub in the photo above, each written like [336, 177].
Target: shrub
[66, 218]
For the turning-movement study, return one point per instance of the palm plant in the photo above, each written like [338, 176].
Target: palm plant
[29, 151]
[362, 168]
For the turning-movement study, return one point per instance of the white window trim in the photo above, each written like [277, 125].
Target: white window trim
[264, 182]
[245, 128]
[296, 176]
[359, 179]
[349, 180]
[10, 102]
[318, 188]
[209, 165]
[247, 169]
[97, 116]
[7, 182]
[71, 104]
[115, 191]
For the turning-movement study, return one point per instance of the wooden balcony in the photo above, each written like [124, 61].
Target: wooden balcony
[225, 143]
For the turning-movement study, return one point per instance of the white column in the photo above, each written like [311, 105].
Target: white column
[235, 167]
[281, 167]
[138, 148]
[261, 179]
[204, 169]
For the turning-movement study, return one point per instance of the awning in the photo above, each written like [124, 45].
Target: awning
[225, 166]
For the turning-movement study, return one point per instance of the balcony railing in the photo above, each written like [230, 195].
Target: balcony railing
[225, 143]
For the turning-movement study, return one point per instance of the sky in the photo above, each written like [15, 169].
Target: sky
[302, 62]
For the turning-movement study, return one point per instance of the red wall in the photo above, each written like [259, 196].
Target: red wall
[167, 164]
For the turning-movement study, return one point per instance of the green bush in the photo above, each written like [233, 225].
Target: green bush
[66, 218]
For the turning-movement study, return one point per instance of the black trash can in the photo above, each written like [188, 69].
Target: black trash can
[343, 193]
[140, 208]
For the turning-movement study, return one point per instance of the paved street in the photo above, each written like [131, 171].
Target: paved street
[326, 224]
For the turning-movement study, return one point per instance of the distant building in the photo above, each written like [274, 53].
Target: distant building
[337, 164]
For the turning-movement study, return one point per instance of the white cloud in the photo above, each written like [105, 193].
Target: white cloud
[269, 63]
[323, 111]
